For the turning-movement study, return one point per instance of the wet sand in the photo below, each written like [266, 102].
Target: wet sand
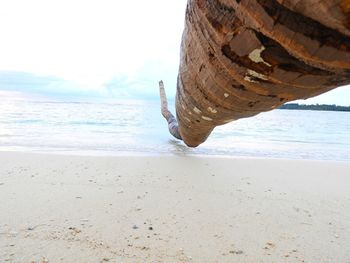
[57, 208]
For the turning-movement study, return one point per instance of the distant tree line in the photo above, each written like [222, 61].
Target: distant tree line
[322, 107]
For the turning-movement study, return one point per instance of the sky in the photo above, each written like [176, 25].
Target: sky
[96, 48]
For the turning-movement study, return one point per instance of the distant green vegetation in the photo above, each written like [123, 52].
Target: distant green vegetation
[323, 107]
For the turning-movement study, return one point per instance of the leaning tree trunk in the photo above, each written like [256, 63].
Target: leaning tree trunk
[243, 57]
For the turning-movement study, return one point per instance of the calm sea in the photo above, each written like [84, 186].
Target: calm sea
[137, 127]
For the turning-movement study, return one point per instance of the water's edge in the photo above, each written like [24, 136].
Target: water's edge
[137, 127]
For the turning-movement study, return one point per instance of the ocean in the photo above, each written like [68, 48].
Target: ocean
[137, 127]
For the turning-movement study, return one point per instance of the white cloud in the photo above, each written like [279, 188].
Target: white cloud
[340, 96]
[89, 41]
[93, 43]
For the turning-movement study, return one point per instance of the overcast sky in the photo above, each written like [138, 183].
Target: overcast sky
[96, 47]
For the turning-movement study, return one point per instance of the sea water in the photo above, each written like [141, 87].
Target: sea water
[137, 127]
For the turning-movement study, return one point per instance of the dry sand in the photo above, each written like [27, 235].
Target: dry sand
[172, 209]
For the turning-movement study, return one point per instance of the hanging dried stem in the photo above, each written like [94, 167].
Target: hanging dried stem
[172, 122]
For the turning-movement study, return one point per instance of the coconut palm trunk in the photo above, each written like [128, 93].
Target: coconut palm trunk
[243, 57]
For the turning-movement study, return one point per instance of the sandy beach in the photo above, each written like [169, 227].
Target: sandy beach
[57, 208]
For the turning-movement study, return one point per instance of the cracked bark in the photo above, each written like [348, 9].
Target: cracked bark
[241, 58]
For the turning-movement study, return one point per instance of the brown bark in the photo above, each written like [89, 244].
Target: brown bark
[243, 57]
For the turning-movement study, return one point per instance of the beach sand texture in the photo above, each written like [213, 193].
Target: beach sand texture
[57, 208]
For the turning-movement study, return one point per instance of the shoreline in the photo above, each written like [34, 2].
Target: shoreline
[62, 208]
[116, 154]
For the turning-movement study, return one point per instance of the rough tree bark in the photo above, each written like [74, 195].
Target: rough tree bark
[243, 57]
